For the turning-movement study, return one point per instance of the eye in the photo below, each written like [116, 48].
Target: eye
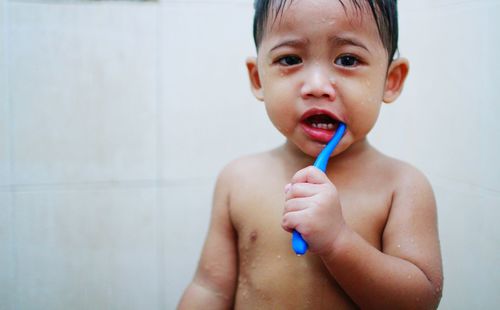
[347, 61]
[289, 60]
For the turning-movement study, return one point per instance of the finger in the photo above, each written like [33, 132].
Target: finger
[290, 221]
[300, 190]
[297, 204]
[310, 174]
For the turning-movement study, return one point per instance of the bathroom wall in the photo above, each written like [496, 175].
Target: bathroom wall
[445, 124]
[116, 116]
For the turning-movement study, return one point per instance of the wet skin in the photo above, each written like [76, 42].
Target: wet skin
[270, 274]
[370, 220]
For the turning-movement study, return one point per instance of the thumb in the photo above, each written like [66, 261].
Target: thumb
[311, 175]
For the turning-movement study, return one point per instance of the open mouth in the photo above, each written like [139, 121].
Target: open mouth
[319, 125]
[321, 121]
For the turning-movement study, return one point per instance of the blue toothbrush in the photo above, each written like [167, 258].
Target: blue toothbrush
[299, 245]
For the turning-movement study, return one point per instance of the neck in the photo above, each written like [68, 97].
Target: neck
[356, 152]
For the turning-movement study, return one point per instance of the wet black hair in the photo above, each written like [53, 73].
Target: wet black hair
[385, 13]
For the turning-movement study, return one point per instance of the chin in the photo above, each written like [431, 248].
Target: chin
[312, 149]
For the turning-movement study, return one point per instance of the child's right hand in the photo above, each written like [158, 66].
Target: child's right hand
[312, 207]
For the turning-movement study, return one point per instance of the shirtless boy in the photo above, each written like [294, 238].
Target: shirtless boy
[370, 220]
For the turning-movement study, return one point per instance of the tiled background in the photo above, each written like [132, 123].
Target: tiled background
[115, 117]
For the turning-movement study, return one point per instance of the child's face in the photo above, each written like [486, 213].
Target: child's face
[320, 64]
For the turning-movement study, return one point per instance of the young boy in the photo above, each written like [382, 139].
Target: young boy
[370, 220]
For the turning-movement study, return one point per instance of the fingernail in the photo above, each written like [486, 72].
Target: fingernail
[287, 187]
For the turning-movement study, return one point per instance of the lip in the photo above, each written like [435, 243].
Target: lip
[319, 134]
[316, 111]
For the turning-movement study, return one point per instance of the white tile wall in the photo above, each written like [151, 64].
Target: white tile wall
[197, 2]
[208, 113]
[445, 111]
[122, 113]
[7, 258]
[186, 217]
[4, 103]
[469, 241]
[489, 254]
[7, 253]
[86, 249]
[445, 123]
[490, 109]
[457, 245]
[83, 92]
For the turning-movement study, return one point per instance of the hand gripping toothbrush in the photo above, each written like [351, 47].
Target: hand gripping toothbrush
[299, 245]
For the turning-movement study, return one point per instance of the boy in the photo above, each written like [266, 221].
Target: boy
[370, 220]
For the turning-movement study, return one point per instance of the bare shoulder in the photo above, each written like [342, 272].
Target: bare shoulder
[247, 169]
[402, 175]
[407, 194]
[413, 197]
[248, 181]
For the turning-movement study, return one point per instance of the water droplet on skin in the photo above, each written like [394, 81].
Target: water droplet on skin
[243, 281]
[399, 245]
[279, 256]
[245, 294]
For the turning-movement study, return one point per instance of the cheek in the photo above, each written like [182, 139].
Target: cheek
[367, 117]
[363, 101]
[365, 93]
[280, 114]
[279, 103]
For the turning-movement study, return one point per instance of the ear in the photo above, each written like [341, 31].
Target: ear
[396, 76]
[253, 74]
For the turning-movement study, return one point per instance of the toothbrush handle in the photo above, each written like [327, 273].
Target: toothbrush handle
[299, 245]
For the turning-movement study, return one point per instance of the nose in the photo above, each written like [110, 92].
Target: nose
[318, 83]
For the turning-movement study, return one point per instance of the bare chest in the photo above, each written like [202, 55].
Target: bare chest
[257, 215]
[270, 274]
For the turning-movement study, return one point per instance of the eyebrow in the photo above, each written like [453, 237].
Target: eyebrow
[336, 41]
[291, 42]
[341, 41]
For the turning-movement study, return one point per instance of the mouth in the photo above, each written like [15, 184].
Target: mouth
[319, 125]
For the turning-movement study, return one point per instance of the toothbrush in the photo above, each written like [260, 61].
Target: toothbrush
[299, 245]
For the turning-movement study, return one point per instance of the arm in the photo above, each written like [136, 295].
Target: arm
[215, 280]
[405, 274]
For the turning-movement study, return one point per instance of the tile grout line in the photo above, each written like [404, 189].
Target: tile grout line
[10, 109]
[440, 180]
[10, 153]
[104, 185]
[160, 231]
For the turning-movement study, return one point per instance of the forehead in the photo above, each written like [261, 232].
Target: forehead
[309, 15]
